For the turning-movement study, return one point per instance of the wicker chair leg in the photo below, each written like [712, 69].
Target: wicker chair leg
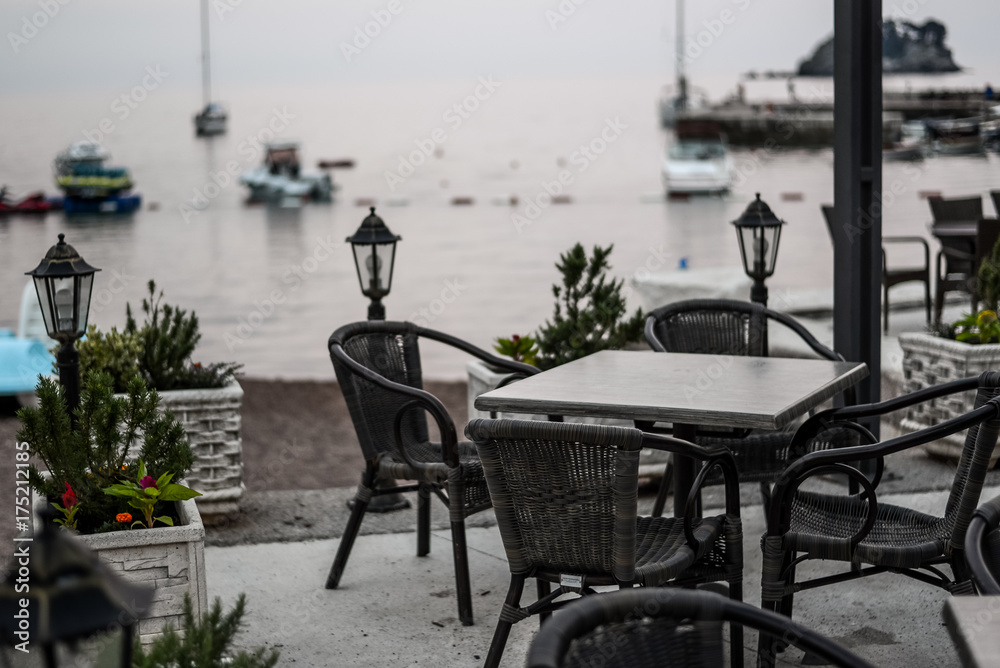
[665, 484]
[423, 519]
[544, 589]
[361, 500]
[927, 299]
[513, 601]
[456, 510]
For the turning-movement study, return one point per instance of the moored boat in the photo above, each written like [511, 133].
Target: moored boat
[280, 178]
[698, 161]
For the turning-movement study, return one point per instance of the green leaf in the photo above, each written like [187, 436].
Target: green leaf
[176, 492]
[122, 490]
[164, 480]
[165, 519]
[151, 491]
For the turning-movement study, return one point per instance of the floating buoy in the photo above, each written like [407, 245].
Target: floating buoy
[461, 201]
[364, 201]
[928, 194]
[344, 163]
[397, 201]
[438, 152]
[561, 199]
[153, 206]
[561, 162]
[679, 197]
[791, 197]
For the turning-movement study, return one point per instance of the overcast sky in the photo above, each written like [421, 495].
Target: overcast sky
[97, 44]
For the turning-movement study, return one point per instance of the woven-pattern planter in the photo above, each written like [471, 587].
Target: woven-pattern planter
[931, 360]
[170, 559]
[212, 420]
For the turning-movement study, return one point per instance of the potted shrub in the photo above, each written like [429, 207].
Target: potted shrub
[153, 532]
[962, 349]
[589, 315]
[205, 399]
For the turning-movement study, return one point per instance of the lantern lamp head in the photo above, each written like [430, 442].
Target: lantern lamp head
[64, 281]
[374, 248]
[758, 231]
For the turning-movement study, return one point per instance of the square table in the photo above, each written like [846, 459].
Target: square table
[685, 389]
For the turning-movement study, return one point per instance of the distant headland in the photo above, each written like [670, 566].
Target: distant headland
[906, 49]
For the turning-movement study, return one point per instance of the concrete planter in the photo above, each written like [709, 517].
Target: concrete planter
[212, 419]
[171, 559]
[483, 378]
[931, 360]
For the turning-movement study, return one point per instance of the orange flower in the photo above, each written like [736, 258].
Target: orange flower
[123, 517]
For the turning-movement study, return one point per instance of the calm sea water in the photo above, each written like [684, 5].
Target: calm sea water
[269, 284]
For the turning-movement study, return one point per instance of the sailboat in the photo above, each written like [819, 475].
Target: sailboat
[672, 106]
[212, 119]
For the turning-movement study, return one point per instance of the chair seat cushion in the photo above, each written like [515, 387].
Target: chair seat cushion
[822, 525]
[662, 552]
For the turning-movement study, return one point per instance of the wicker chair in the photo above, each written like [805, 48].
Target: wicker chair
[956, 264]
[982, 548]
[857, 529]
[378, 369]
[646, 628]
[728, 327]
[565, 497]
[892, 276]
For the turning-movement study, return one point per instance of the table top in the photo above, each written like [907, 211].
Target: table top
[734, 391]
[974, 626]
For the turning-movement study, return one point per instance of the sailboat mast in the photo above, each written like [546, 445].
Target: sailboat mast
[679, 65]
[206, 75]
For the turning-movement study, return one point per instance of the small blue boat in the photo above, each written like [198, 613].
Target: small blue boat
[114, 204]
[25, 356]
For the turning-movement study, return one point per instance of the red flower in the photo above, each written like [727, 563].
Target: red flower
[515, 338]
[69, 497]
[148, 482]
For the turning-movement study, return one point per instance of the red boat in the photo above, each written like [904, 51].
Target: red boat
[33, 203]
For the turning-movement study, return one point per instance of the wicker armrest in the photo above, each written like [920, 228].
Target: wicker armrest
[449, 439]
[713, 456]
[455, 342]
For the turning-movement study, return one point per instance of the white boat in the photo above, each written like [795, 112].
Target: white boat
[211, 120]
[698, 163]
[280, 179]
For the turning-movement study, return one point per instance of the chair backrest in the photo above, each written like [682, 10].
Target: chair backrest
[564, 495]
[973, 464]
[391, 350]
[995, 196]
[721, 327]
[982, 548]
[639, 628]
[708, 327]
[956, 209]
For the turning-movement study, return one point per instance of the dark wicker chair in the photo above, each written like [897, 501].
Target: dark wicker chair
[858, 529]
[982, 548]
[378, 369]
[565, 497]
[892, 276]
[647, 628]
[728, 327]
[956, 265]
[995, 196]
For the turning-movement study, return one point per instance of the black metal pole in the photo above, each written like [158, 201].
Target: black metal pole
[376, 310]
[857, 185]
[758, 294]
[68, 361]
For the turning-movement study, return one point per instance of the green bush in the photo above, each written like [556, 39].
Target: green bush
[115, 353]
[590, 312]
[109, 433]
[159, 349]
[205, 643]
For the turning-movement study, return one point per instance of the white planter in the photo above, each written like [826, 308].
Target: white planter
[483, 378]
[212, 419]
[171, 559]
[931, 360]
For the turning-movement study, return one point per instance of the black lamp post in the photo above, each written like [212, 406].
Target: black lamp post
[758, 231]
[57, 594]
[63, 282]
[374, 249]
